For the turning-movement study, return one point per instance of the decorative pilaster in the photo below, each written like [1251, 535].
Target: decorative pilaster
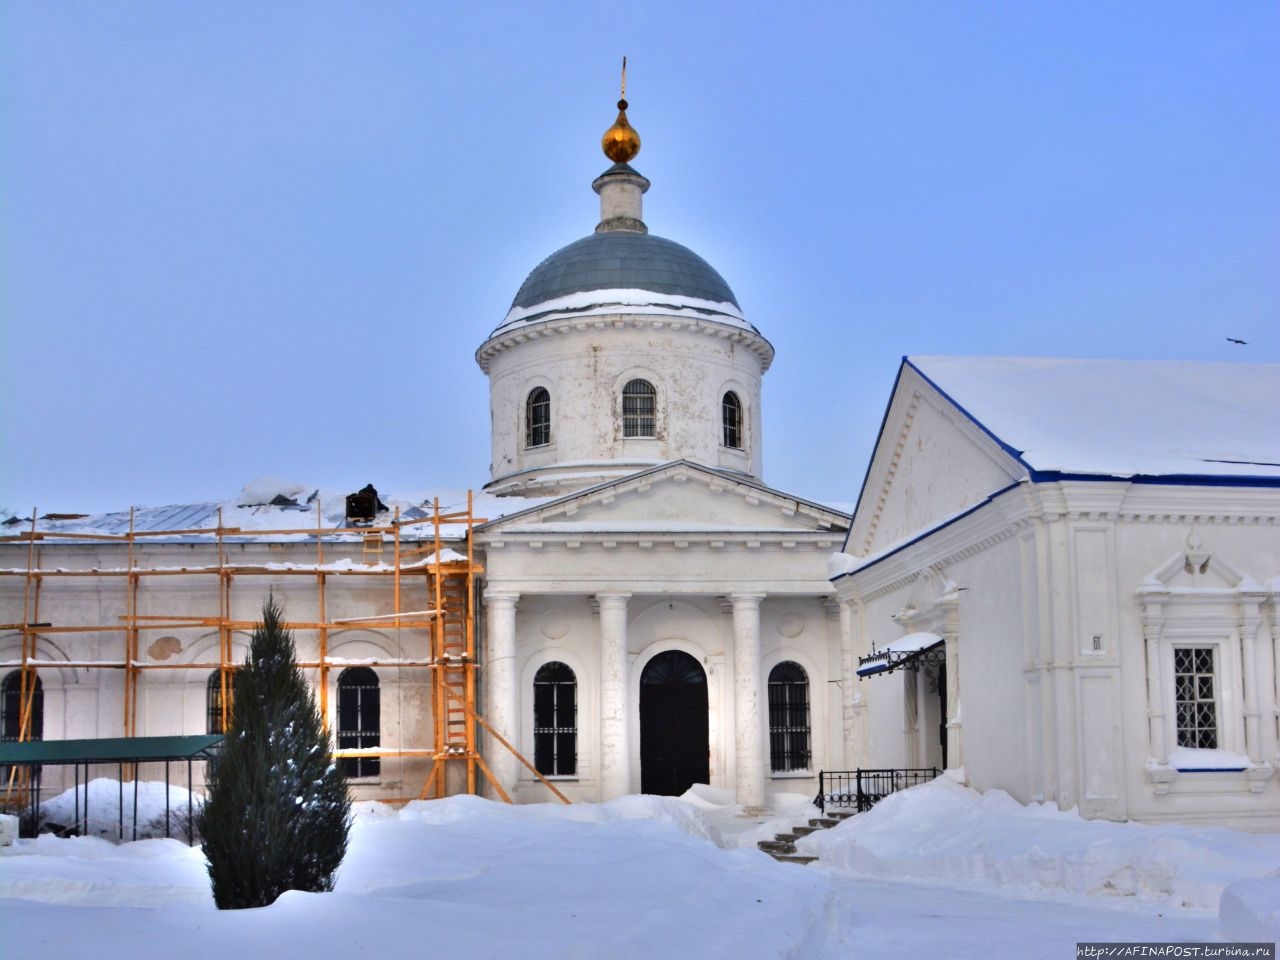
[951, 634]
[749, 734]
[1250, 623]
[1153, 631]
[850, 693]
[615, 750]
[501, 694]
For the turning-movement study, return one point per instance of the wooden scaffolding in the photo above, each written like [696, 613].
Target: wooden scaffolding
[441, 638]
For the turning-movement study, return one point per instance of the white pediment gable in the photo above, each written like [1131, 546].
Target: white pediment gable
[675, 498]
[930, 462]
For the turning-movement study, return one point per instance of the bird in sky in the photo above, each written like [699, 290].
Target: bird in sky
[1234, 340]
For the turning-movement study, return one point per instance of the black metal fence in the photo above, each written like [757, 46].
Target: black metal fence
[859, 790]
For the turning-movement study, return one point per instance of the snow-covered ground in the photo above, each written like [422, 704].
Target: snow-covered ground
[937, 869]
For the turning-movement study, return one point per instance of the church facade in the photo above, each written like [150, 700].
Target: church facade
[650, 614]
[1063, 577]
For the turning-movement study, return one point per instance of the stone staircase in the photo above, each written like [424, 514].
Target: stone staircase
[783, 846]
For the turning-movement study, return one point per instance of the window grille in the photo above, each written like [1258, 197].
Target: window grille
[1196, 697]
[213, 703]
[555, 720]
[639, 409]
[359, 720]
[11, 708]
[789, 741]
[537, 418]
[731, 414]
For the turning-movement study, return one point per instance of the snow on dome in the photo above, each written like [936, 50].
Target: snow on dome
[615, 261]
[1121, 418]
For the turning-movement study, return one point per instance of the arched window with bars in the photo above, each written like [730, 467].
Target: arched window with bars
[555, 720]
[537, 418]
[789, 736]
[359, 720]
[639, 409]
[731, 418]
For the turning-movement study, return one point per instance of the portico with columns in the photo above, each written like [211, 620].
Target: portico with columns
[609, 597]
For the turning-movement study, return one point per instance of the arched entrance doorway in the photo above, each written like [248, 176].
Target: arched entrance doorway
[673, 724]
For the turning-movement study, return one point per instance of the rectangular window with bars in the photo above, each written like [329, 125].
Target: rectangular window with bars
[1195, 696]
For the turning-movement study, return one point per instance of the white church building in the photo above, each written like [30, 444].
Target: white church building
[1063, 580]
[1028, 595]
[650, 614]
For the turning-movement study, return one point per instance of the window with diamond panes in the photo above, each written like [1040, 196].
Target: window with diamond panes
[537, 418]
[788, 718]
[731, 414]
[555, 720]
[639, 409]
[1196, 696]
[359, 719]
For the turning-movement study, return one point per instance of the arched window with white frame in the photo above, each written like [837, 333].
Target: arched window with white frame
[555, 720]
[789, 735]
[537, 418]
[639, 409]
[731, 420]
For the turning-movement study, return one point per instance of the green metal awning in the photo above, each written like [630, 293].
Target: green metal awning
[109, 750]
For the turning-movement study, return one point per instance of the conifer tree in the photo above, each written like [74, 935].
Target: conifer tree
[277, 814]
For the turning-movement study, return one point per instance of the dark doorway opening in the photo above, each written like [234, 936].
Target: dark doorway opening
[673, 724]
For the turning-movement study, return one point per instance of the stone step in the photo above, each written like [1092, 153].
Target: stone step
[792, 858]
[791, 837]
[804, 831]
[823, 822]
[840, 814]
[776, 847]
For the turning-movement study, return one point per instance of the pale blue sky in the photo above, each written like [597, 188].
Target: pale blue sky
[243, 239]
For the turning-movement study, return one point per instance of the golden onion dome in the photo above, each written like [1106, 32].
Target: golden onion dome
[621, 142]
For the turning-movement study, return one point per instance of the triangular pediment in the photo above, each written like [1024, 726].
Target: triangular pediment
[670, 499]
[931, 461]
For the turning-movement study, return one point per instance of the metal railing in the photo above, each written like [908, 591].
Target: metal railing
[859, 790]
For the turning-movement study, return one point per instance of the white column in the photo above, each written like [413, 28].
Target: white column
[501, 695]
[615, 750]
[749, 738]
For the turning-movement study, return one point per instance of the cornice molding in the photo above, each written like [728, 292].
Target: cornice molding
[740, 336]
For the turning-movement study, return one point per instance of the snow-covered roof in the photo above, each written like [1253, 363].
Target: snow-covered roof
[1120, 418]
[274, 505]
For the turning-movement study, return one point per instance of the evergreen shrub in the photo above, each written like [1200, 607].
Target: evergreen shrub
[278, 814]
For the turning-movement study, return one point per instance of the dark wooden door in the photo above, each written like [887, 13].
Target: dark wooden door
[673, 724]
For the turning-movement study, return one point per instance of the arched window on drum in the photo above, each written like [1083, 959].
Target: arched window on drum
[731, 417]
[639, 409]
[537, 418]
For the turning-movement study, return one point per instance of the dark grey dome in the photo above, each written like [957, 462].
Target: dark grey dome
[622, 260]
